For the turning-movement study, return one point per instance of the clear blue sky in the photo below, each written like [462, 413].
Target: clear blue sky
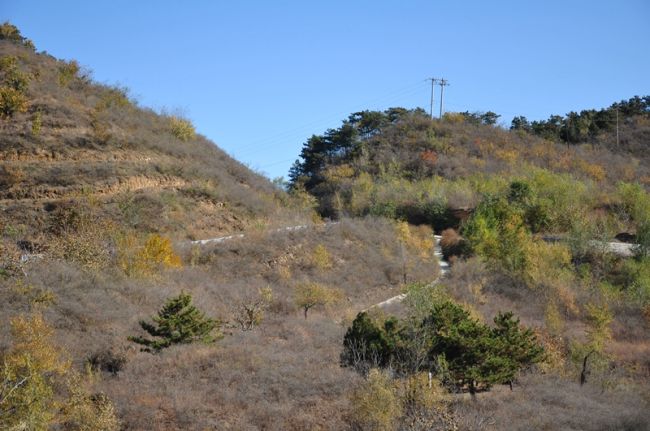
[260, 77]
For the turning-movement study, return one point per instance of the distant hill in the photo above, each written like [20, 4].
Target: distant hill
[403, 164]
[66, 140]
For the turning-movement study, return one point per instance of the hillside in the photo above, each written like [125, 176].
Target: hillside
[115, 320]
[74, 142]
[99, 198]
[400, 160]
[524, 220]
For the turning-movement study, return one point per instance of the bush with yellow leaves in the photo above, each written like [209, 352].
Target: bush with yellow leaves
[38, 388]
[13, 87]
[310, 295]
[181, 128]
[382, 403]
[375, 403]
[146, 260]
[321, 258]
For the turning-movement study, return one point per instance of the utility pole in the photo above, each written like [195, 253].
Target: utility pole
[617, 142]
[433, 82]
[443, 83]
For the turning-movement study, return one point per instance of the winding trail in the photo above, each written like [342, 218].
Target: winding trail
[437, 251]
[242, 235]
[444, 270]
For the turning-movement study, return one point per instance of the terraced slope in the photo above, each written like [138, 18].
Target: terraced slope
[77, 143]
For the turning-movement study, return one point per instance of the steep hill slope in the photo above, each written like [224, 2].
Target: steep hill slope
[69, 141]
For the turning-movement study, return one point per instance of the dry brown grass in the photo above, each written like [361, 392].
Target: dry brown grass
[284, 374]
[95, 141]
[544, 402]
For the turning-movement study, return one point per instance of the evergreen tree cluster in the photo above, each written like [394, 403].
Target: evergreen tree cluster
[577, 127]
[342, 145]
[463, 352]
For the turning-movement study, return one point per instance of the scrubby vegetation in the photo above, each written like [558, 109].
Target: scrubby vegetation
[100, 197]
[525, 218]
[69, 141]
[38, 388]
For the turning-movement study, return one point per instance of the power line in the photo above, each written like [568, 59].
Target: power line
[299, 131]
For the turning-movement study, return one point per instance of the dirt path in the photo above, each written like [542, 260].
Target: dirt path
[444, 265]
[444, 270]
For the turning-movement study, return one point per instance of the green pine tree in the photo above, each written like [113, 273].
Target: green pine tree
[475, 355]
[178, 322]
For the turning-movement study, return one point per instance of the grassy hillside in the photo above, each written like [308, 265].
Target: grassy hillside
[70, 141]
[98, 199]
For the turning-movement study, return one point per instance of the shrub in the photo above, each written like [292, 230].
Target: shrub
[425, 403]
[67, 72]
[249, 311]
[89, 412]
[107, 360]
[13, 87]
[10, 264]
[111, 97]
[497, 233]
[599, 318]
[383, 402]
[11, 176]
[10, 32]
[147, 259]
[26, 390]
[87, 247]
[375, 405]
[12, 101]
[547, 264]
[37, 123]
[310, 295]
[181, 128]
[642, 250]
[321, 258]
[421, 299]
[636, 280]
[520, 193]
[178, 322]
[635, 201]
[38, 390]
[383, 209]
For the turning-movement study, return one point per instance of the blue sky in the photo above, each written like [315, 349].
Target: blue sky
[260, 77]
